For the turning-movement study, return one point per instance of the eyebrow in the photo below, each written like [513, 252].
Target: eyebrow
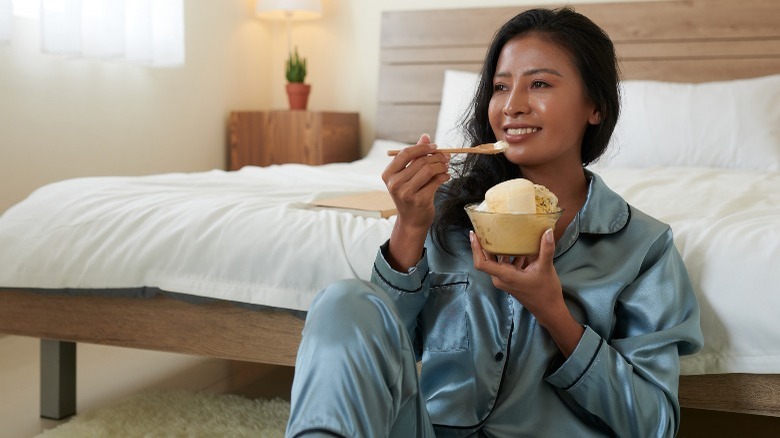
[534, 71]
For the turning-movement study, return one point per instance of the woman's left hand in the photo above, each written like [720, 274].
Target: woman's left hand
[533, 281]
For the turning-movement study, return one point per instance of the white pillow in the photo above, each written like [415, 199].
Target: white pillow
[379, 148]
[731, 124]
[457, 92]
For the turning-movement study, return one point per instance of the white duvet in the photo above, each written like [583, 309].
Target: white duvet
[249, 236]
[726, 225]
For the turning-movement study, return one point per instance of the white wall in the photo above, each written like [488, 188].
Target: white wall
[67, 117]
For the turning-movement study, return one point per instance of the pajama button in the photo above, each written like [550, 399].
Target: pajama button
[499, 356]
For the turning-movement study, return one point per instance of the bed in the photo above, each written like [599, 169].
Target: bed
[224, 264]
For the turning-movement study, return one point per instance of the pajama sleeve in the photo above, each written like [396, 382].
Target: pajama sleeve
[408, 290]
[630, 380]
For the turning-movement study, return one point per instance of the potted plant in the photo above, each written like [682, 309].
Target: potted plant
[297, 90]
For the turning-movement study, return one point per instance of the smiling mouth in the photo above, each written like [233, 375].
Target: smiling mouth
[521, 131]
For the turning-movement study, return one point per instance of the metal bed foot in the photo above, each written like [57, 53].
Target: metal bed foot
[58, 379]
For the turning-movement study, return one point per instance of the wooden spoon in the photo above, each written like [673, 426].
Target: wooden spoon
[487, 148]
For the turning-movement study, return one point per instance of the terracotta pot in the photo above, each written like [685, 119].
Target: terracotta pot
[298, 95]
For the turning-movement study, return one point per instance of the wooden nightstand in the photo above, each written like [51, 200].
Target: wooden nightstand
[262, 138]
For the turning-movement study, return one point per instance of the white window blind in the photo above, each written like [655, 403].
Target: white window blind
[148, 32]
[6, 20]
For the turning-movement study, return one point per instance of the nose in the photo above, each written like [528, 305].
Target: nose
[517, 103]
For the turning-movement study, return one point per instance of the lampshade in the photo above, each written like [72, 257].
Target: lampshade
[289, 9]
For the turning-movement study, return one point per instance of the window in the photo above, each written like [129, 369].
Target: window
[148, 32]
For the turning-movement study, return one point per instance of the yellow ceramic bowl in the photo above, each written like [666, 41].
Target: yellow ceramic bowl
[510, 234]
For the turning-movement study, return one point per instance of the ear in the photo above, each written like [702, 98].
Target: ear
[595, 117]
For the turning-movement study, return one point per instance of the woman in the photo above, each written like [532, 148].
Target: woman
[582, 340]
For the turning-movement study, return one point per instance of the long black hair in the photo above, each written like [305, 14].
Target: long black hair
[593, 55]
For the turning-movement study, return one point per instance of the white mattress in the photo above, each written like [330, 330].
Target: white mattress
[248, 236]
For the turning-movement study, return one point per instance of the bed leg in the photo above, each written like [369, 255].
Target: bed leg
[58, 379]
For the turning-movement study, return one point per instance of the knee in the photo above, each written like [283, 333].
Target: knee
[347, 297]
[349, 302]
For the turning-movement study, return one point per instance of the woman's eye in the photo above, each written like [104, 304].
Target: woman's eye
[539, 84]
[499, 87]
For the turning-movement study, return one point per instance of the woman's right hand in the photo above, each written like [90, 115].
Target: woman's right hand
[412, 178]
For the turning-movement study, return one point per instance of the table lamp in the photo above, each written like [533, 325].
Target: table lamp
[289, 10]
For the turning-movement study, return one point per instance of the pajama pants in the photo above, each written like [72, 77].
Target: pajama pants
[355, 374]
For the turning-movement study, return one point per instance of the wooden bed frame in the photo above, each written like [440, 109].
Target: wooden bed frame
[685, 40]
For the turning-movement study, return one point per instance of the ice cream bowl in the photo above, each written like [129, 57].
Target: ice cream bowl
[510, 234]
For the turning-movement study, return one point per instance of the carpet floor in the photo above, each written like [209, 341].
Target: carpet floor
[179, 414]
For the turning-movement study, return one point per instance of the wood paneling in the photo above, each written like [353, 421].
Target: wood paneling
[630, 21]
[419, 84]
[699, 70]
[406, 123]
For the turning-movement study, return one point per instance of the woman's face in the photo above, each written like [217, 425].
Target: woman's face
[539, 105]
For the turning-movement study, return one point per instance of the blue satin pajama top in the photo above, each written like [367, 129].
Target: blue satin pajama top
[487, 363]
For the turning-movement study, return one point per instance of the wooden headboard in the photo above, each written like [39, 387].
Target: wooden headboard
[679, 40]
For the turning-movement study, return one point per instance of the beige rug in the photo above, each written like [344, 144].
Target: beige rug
[179, 414]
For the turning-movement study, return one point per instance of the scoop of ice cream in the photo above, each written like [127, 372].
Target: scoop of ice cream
[519, 196]
[546, 201]
[512, 196]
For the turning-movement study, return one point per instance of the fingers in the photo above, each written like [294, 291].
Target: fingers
[483, 260]
[423, 176]
[476, 251]
[524, 265]
[422, 148]
[547, 247]
[532, 279]
[520, 262]
[416, 170]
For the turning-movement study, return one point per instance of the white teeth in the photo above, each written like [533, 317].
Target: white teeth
[520, 131]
